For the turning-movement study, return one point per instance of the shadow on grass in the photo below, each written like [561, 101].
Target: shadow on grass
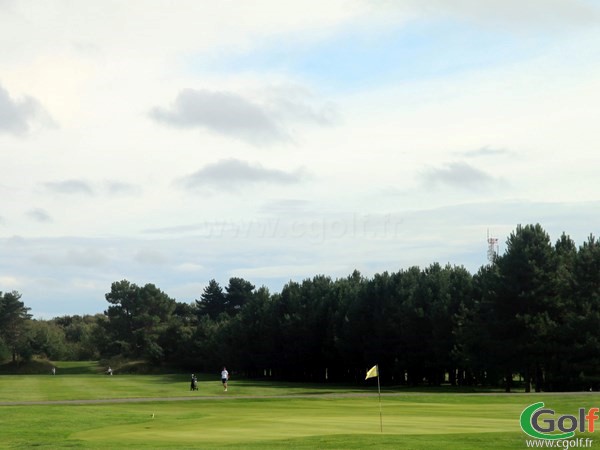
[77, 367]
[171, 375]
[369, 386]
[33, 367]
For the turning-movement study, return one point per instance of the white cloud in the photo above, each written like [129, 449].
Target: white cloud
[39, 215]
[17, 116]
[10, 283]
[79, 257]
[119, 188]
[263, 121]
[190, 267]
[511, 14]
[69, 187]
[224, 113]
[231, 174]
[151, 257]
[458, 174]
[486, 151]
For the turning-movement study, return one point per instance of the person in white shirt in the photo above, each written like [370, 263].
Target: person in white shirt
[224, 378]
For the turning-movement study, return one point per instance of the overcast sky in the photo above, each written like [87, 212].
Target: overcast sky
[175, 142]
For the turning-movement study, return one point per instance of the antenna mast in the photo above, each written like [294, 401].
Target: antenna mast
[492, 251]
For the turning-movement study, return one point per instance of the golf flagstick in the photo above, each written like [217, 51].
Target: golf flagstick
[379, 390]
[374, 372]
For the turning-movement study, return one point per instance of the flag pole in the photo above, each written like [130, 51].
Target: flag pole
[379, 391]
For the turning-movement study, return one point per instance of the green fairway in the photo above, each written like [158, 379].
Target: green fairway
[90, 387]
[257, 415]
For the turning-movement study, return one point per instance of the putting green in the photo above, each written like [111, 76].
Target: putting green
[209, 423]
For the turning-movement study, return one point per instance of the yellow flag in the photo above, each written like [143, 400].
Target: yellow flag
[372, 372]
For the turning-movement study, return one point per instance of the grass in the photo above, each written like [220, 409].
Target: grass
[255, 415]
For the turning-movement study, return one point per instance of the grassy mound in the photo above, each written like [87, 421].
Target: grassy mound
[39, 366]
[35, 366]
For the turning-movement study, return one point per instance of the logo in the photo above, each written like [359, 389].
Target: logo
[542, 423]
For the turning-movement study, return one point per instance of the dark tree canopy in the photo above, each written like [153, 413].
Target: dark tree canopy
[212, 300]
[137, 318]
[14, 317]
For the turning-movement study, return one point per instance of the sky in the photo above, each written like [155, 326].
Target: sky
[177, 142]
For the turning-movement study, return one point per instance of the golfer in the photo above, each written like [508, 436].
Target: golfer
[224, 378]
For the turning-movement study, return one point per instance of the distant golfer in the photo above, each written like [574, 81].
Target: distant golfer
[224, 378]
[54, 371]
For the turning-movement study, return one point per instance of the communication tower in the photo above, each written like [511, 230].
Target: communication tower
[492, 251]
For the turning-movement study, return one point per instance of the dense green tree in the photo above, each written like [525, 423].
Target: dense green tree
[14, 320]
[561, 371]
[481, 354]
[585, 317]
[122, 318]
[138, 318]
[381, 334]
[212, 301]
[303, 329]
[453, 299]
[238, 293]
[253, 333]
[527, 303]
[415, 326]
[322, 316]
[176, 340]
[317, 309]
[289, 331]
[47, 339]
[349, 363]
[81, 333]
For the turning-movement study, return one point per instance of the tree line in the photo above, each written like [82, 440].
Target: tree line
[531, 314]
